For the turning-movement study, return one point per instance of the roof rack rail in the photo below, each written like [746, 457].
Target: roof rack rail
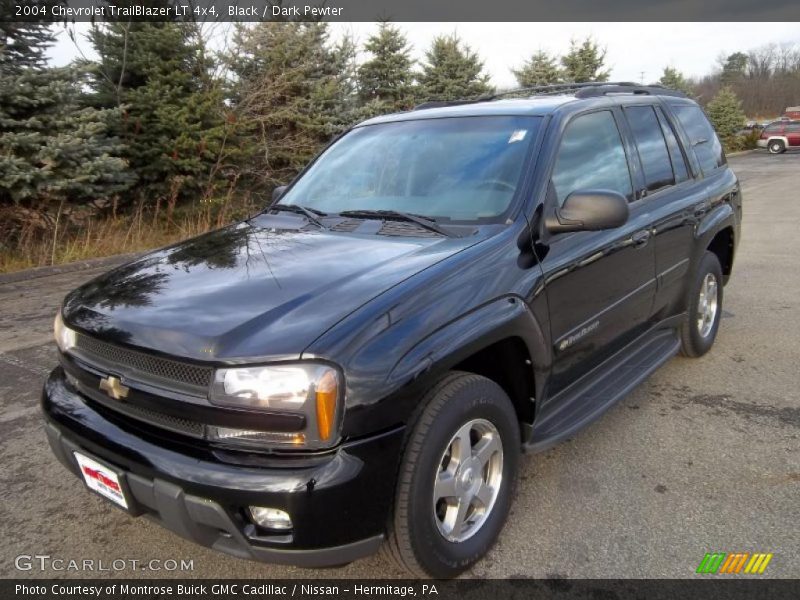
[581, 90]
[591, 88]
[441, 103]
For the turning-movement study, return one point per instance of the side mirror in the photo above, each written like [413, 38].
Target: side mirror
[277, 193]
[589, 210]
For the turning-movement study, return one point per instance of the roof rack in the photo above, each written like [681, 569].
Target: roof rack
[441, 103]
[580, 90]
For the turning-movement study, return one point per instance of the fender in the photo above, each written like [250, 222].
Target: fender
[717, 219]
[471, 332]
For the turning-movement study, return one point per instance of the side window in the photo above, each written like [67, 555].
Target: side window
[675, 153]
[652, 147]
[772, 129]
[701, 134]
[793, 128]
[591, 156]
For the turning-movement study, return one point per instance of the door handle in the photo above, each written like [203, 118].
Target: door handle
[640, 238]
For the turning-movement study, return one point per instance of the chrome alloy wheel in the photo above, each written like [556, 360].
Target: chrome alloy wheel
[707, 304]
[468, 480]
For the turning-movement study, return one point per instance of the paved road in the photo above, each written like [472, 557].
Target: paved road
[703, 457]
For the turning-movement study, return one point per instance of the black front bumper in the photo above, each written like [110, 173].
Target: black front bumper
[339, 502]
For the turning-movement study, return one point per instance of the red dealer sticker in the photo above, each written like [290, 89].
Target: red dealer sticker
[101, 479]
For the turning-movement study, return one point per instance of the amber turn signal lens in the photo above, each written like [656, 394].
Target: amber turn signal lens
[327, 390]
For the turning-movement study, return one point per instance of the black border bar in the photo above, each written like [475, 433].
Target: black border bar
[700, 588]
[403, 10]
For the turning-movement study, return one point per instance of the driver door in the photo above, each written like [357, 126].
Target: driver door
[600, 285]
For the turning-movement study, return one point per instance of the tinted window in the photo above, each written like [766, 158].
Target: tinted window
[652, 147]
[702, 137]
[591, 156]
[772, 129]
[793, 128]
[679, 167]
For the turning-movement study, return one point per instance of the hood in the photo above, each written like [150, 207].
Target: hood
[266, 288]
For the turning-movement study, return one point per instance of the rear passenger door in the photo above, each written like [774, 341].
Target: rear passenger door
[669, 193]
[599, 284]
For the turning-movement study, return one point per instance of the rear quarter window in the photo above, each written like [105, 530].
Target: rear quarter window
[702, 137]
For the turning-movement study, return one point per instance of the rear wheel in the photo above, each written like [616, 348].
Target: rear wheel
[457, 477]
[777, 147]
[705, 308]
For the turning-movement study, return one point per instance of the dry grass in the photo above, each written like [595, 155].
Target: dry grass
[95, 237]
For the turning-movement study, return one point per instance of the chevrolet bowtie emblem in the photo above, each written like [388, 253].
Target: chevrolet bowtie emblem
[113, 387]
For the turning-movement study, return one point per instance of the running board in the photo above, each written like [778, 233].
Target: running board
[587, 399]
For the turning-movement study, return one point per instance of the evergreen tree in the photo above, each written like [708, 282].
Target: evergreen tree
[584, 62]
[733, 67]
[539, 69]
[172, 120]
[674, 79]
[290, 94]
[350, 108]
[725, 113]
[387, 78]
[53, 151]
[452, 71]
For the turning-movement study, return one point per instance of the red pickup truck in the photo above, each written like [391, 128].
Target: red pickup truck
[779, 136]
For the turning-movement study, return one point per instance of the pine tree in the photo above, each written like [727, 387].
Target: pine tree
[172, 120]
[733, 67]
[674, 79]
[386, 78]
[584, 62]
[726, 115]
[54, 152]
[290, 94]
[452, 71]
[539, 69]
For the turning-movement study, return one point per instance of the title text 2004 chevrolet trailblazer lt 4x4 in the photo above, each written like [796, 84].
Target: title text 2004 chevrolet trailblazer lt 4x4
[363, 363]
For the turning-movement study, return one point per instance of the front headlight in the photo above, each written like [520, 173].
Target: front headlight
[65, 337]
[310, 389]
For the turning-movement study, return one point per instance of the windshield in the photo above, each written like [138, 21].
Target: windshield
[462, 169]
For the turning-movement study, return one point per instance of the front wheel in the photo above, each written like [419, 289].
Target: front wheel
[705, 308]
[457, 477]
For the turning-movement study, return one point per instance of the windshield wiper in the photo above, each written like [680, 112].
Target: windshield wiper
[424, 222]
[309, 214]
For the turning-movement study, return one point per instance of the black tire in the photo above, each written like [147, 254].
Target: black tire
[776, 147]
[415, 541]
[693, 342]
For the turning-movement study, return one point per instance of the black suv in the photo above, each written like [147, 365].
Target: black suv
[363, 363]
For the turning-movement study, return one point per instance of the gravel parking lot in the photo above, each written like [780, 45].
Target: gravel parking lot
[703, 457]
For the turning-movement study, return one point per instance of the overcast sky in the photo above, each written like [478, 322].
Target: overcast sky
[633, 48]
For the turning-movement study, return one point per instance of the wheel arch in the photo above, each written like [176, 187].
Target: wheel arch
[717, 233]
[722, 245]
[501, 340]
[778, 138]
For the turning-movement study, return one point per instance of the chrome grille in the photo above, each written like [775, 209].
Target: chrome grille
[133, 363]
